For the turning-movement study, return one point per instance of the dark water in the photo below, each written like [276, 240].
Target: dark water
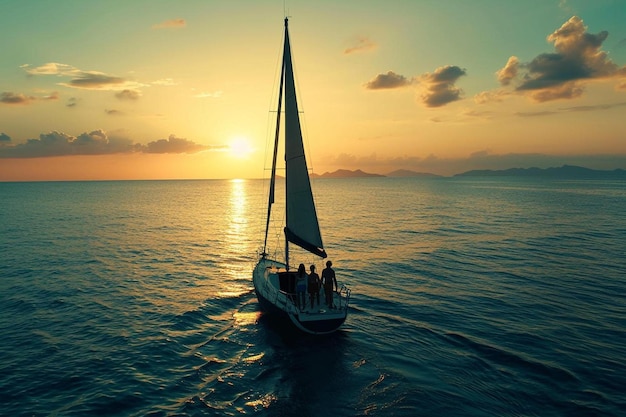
[471, 297]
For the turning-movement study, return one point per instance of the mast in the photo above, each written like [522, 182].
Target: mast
[275, 154]
[286, 52]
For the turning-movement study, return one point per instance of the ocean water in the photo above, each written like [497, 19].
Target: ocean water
[471, 297]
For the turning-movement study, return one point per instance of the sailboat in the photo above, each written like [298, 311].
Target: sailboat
[275, 280]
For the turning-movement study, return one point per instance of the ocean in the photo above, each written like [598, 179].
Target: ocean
[470, 297]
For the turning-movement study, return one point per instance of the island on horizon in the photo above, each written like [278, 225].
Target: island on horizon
[346, 173]
[563, 172]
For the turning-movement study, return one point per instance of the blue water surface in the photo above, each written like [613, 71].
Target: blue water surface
[471, 296]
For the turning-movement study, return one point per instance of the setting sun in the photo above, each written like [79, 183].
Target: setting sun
[240, 147]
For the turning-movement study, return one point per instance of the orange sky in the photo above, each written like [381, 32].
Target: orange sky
[152, 90]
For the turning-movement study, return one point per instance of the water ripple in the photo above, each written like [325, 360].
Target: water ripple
[470, 297]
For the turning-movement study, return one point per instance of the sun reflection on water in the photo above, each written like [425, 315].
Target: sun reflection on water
[263, 402]
[237, 247]
[237, 218]
[238, 205]
[246, 318]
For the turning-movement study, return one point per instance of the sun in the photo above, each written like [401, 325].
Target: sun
[240, 147]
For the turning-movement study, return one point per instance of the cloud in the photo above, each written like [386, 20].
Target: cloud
[361, 44]
[509, 72]
[51, 68]
[92, 80]
[594, 107]
[171, 24]
[560, 91]
[88, 80]
[577, 59]
[97, 142]
[387, 81]
[572, 109]
[439, 86]
[8, 97]
[128, 94]
[58, 144]
[174, 145]
[490, 96]
[535, 113]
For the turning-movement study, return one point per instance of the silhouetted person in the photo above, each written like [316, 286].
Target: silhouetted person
[328, 280]
[314, 287]
[301, 279]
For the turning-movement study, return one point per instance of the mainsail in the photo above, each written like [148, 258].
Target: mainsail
[302, 227]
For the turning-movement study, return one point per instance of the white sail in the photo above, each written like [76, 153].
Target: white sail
[302, 226]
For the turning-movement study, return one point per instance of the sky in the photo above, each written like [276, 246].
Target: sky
[153, 89]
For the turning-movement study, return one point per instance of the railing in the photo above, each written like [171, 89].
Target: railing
[344, 297]
[279, 298]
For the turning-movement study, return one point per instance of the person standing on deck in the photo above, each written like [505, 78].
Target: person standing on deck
[301, 281]
[314, 287]
[328, 280]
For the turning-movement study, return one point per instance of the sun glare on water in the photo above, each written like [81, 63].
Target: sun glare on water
[240, 147]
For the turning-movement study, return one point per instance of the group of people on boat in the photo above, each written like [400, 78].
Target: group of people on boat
[312, 283]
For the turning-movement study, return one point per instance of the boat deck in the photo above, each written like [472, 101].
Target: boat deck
[317, 312]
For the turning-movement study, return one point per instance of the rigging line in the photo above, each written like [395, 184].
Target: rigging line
[285, 9]
[269, 134]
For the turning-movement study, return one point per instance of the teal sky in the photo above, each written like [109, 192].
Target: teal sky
[163, 89]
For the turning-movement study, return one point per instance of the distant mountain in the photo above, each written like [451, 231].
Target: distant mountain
[408, 173]
[344, 173]
[564, 172]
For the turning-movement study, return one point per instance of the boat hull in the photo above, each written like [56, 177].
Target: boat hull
[279, 304]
